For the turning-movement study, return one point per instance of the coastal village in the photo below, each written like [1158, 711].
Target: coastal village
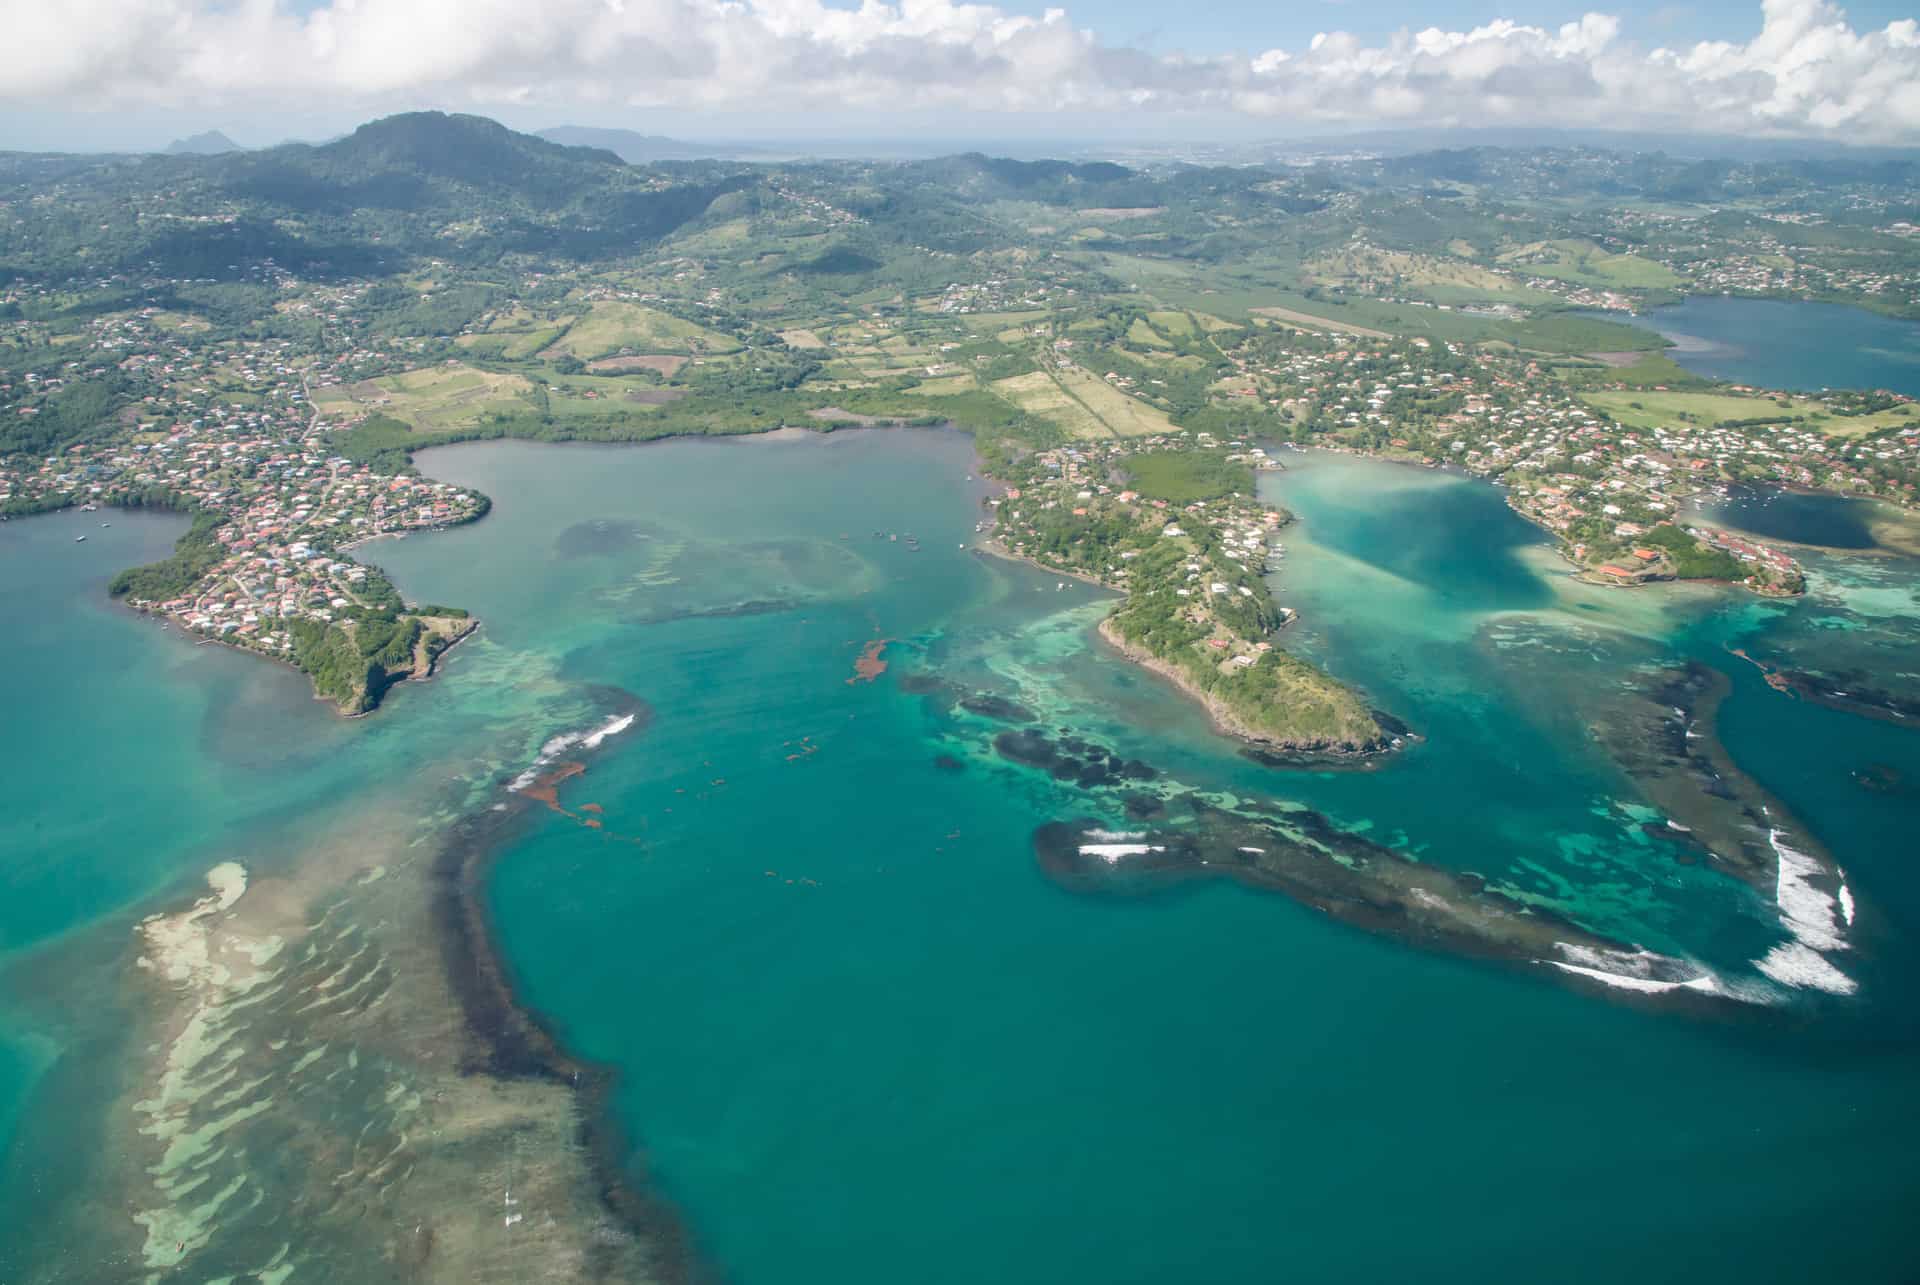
[1601, 486]
[280, 511]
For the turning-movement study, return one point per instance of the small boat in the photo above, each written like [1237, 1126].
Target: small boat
[79, 539]
[106, 524]
[894, 538]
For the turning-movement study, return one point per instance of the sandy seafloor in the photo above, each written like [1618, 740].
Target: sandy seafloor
[806, 1000]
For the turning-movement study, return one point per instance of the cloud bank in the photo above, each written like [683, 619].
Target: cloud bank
[1806, 70]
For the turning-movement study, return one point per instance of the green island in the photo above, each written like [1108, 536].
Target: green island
[240, 338]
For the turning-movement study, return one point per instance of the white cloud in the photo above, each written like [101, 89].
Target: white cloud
[1806, 70]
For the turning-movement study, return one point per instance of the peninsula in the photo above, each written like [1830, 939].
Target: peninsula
[1176, 527]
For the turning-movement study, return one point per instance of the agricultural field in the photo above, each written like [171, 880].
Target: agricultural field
[1038, 395]
[1652, 409]
[432, 399]
[1122, 415]
[1081, 404]
[609, 328]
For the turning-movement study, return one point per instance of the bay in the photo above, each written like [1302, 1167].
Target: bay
[1794, 345]
[857, 1035]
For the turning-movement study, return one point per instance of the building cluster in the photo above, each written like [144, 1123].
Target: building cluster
[1077, 512]
[1597, 483]
[227, 430]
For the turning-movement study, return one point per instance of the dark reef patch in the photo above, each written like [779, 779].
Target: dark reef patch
[1034, 749]
[512, 1042]
[1309, 858]
[601, 537]
[1087, 764]
[1883, 778]
[998, 708]
[748, 607]
[948, 763]
[1851, 691]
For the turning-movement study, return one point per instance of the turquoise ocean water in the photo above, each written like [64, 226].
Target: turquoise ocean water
[859, 1036]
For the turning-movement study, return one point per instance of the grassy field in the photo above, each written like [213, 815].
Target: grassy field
[1038, 395]
[1180, 477]
[596, 396]
[433, 398]
[944, 386]
[1585, 263]
[1309, 320]
[1416, 274]
[610, 327]
[1656, 409]
[1121, 414]
[993, 322]
[1145, 335]
[516, 334]
[510, 345]
[1175, 324]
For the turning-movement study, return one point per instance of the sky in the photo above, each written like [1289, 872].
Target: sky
[132, 74]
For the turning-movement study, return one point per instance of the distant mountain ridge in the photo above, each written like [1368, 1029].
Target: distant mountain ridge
[1719, 147]
[210, 143]
[643, 149]
[415, 184]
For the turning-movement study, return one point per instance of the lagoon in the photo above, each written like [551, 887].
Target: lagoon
[856, 1034]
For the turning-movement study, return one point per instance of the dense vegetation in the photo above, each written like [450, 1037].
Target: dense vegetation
[1180, 477]
[1691, 559]
[195, 552]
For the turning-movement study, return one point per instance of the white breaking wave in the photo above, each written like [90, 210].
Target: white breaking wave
[1816, 920]
[1705, 982]
[1115, 836]
[1793, 964]
[1808, 913]
[558, 745]
[1640, 970]
[1111, 853]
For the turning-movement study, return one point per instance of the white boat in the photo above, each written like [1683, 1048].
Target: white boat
[79, 539]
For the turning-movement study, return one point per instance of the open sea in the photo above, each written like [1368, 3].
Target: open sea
[855, 1032]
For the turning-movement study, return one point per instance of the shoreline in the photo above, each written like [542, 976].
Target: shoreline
[1227, 724]
[1271, 751]
[517, 1041]
[1586, 573]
